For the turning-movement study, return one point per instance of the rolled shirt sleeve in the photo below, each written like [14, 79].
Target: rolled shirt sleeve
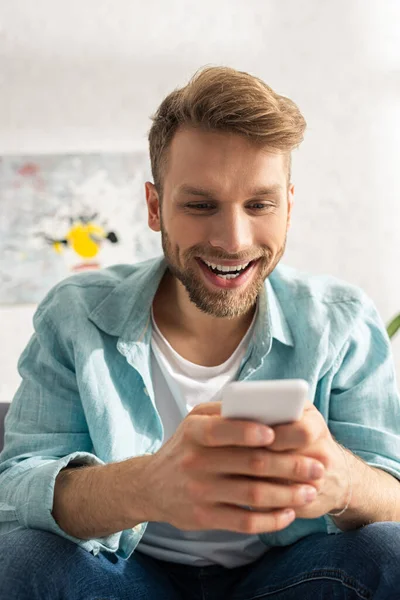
[364, 413]
[45, 430]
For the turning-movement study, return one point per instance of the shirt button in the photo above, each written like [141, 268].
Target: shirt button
[145, 391]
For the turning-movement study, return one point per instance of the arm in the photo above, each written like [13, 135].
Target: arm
[93, 502]
[46, 432]
[375, 496]
[364, 417]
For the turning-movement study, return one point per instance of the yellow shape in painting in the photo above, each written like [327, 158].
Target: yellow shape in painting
[85, 239]
[58, 247]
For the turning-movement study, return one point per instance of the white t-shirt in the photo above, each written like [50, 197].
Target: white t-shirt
[180, 385]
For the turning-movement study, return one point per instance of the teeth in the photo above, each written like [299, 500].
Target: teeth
[225, 269]
[229, 276]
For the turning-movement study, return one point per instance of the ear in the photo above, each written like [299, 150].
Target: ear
[153, 206]
[290, 204]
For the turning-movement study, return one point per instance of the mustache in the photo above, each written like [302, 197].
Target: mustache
[198, 252]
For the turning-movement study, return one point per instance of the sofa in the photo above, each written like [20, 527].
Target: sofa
[3, 412]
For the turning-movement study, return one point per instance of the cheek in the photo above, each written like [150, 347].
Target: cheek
[271, 233]
[186, 233]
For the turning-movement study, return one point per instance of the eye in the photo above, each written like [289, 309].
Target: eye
[260, 206]
[200, 206]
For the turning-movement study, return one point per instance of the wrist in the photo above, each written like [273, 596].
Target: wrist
[137, 495]
[346, 497]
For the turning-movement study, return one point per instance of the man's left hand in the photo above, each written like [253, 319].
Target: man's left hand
[311, 437]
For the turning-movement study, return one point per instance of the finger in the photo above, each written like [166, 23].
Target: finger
[207, 408]
[240, 520]
[259, 462]
[300, 434]
[213, 431]
[308, 405]
[256, 493]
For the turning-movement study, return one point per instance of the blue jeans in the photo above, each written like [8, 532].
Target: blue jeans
[364, 563]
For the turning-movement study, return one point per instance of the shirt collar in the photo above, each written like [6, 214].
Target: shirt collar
[125, 312]
[280, 329]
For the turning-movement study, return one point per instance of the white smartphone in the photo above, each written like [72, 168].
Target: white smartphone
[271, 402]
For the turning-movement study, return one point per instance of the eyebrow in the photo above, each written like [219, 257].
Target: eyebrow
[199, 191]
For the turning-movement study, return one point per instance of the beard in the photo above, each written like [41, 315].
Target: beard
[223, 303]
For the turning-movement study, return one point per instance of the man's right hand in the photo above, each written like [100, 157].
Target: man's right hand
[211, 467]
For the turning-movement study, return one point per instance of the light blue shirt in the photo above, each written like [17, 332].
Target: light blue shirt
[87, 396]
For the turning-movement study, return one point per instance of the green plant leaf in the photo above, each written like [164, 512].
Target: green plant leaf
[393, 326]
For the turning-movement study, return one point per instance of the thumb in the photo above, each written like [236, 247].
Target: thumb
[207, 408]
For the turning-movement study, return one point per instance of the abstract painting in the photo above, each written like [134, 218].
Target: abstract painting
[62, 214]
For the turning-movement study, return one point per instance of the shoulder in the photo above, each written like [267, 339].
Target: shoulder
[79, 294]
[316, 303]
[325, 289]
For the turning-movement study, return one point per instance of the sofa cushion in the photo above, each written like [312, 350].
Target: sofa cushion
[3, 410]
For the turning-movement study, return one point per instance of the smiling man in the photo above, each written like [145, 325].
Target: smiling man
[119, 477]
[223, 225]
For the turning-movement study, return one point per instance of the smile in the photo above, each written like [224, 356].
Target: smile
[227, 276]
[227, 272]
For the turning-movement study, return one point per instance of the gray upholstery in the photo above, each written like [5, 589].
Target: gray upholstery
[3, 411]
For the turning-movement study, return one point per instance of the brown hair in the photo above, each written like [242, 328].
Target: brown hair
[223, 99]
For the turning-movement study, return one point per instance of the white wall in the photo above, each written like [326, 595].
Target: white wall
[85, 75]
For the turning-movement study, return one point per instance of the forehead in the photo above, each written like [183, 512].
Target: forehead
[221, 160]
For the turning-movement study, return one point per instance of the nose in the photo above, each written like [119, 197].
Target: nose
[231, 231]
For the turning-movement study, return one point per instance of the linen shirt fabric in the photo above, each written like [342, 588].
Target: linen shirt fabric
[87, 398]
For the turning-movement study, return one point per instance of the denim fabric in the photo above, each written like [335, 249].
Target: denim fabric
[87, 397]
[353, 565]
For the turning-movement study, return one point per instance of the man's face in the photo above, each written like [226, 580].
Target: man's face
[225, 203]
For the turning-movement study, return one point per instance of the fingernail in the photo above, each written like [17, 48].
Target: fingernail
[266, 435]
[289, 513]
[316, 471]
[309, 493]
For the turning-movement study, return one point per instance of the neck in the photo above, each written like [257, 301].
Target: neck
[189, 330]
[172, 305]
